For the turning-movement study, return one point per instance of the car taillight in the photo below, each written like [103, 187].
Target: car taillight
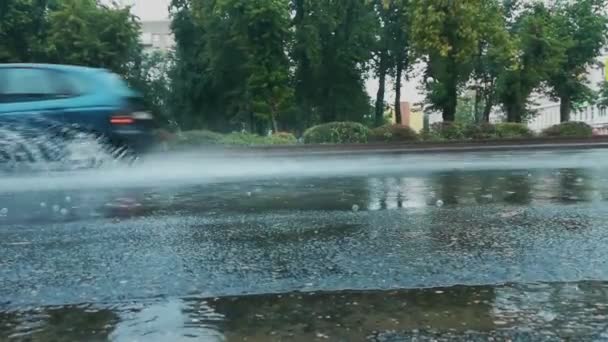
[122, 120]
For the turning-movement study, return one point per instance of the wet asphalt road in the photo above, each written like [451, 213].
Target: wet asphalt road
[418, 251]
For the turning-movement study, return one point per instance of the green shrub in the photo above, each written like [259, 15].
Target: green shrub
[569, 129]
[337, 133]
[242, 139]
[512, 130]
[196, 138]
[447, 131]
[483, 131]
[430, 136]
[393, 133]
[282, 138]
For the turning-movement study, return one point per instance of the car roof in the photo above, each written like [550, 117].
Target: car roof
[58, 67]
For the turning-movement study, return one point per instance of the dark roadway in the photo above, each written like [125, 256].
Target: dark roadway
[467, 247]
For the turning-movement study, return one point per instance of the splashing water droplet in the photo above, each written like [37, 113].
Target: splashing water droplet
[439, 203]
[355, 208]
[64, 211]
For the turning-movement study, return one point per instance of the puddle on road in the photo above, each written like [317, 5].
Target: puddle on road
[576, 311]
[388, 192]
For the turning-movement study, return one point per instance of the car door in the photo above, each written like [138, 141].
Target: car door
[33, 95]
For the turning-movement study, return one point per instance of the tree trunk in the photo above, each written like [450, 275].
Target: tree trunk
[477, 105]
[488, 105]
[399, 73]
[564, 108]
[275, 125]
[379, 119]
[449, 111]
[513, 113]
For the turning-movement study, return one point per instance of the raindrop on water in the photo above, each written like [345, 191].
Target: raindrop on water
[42, 205]
[3, 211]
[64, 211]
[68, 199]
[355, 208]
[56, 208]
[439, 203]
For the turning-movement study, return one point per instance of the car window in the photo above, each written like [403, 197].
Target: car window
[31, 84]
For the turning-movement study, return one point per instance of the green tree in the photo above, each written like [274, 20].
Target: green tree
[382, 56]
[399, 29]
[231, 64]
[581, 27]
[83, 32]
[332, 50]
[445, 35]
[495, 54]
[539, 51]
[194, 100]
[22, 29]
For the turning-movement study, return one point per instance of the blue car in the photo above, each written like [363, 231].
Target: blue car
[92, 100]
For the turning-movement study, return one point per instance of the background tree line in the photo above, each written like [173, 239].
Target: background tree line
[290, 64]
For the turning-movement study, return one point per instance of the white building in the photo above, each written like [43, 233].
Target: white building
[155, 21]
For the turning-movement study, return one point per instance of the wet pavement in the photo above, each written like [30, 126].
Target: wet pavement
[476, 247]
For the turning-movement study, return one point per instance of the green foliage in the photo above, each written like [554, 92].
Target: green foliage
[292, 64]
[513, 130]
[569, 129]
[582, 27]
[602, 96]
[196, 138]
[465, 110]
[82, 32]
[149, 74]
[283, 138]
[331, 50]
[448, 35]
[337, 133]
[446, 131]
[540, 52]
[393, 133]
[21, 30]
[201, 138]
[482, 131]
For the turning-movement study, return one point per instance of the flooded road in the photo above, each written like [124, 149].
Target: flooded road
[466, 247]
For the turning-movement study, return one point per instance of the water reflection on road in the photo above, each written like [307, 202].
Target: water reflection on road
[389, 192]
[384, 257]
[554, 311]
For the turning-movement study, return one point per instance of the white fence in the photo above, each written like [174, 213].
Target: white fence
[548, 116]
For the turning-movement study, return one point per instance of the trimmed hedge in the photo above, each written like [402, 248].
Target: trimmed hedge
[393, 133]
[511, 130]
[197, 137]
[337, 133]
[207, 138]
[282, 138]
[484, 131]
[569, 129]
[446, 131]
